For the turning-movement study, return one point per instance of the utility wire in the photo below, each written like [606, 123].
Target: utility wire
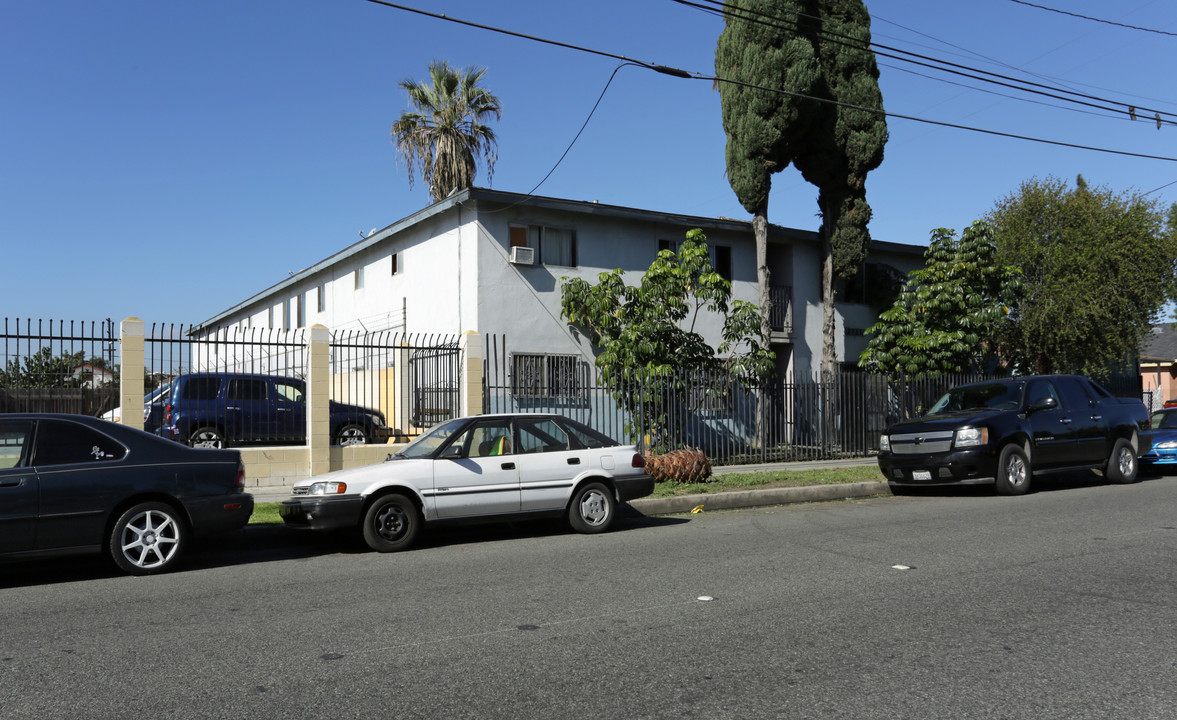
[722, 9]
[675, 72]
[1094, 19]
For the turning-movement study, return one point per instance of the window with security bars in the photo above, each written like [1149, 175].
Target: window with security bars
[556, 376]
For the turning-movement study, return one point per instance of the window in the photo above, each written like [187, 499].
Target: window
[721, 256]
[395, 263]
[288, 393]
[486, 439]
[201, 388]
[321, 305]
[14, 443]
[247, 389]
[553, 246]
[301, 309]
[723, 261]
[285, 314]
[270, 317]
[547, 376]
[359, 278]
[62, 443]
[536, 436]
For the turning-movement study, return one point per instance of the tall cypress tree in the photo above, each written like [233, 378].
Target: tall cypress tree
[819, 49]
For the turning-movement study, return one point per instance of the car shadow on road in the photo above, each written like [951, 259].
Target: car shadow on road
[271, 543]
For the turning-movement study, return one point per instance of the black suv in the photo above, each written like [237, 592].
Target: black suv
[222, 409]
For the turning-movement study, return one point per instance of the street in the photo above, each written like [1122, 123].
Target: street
[956, 604]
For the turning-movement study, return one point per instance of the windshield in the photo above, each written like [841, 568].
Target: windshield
[428, 443]
[1164, 420]
[989, 396]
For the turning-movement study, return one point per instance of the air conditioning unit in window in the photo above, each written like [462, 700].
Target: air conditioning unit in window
[522, 255]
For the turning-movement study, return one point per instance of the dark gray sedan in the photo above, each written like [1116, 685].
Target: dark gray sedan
[76, 484]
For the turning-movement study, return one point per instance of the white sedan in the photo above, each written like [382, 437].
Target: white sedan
[492, 467]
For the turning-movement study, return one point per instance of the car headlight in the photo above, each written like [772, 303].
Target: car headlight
[1166, 445]
[885, 443]
[971, 437]
[328, 488]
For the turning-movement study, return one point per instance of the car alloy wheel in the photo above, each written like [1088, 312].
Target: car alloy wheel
[352, 435]
[147, 539]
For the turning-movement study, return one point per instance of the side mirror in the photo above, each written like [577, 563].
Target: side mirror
[1046, 403]
[452, 452]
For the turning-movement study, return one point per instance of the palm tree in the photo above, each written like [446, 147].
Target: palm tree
[446, 130]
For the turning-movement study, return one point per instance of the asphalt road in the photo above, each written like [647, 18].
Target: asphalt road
[1060, 604]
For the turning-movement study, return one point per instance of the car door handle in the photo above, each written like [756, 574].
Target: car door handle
[1066, 421]
[573, 461]
[12, 483]
[1097, 417]
[508, 466]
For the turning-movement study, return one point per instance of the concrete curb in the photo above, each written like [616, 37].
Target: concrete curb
[757, 498]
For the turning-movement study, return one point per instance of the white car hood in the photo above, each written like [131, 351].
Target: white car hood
[417, 473]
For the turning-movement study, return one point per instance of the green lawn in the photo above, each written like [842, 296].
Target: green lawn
[267, 513]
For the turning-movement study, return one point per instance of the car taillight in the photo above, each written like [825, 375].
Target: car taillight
[239, 486]
[638, 461]
[168, 412]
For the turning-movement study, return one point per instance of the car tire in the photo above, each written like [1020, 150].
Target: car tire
[1123, 465]
[148, 538]
[207, 437]
[1013, 471]
[592, 508]
[352, 435]
[391, 523]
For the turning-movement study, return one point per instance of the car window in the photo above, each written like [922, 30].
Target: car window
[1040, 390]
[1164, 421]
[14, 443]
[288, 392]
[536, 436]
[584, 436]
[249, 389]
[60, 442]
[1075, 395]
[487, 439]
[201, 388]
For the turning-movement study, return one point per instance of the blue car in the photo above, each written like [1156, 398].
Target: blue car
[1164, 439]
[219, 409]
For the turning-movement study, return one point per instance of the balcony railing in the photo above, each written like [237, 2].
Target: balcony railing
[780, 315]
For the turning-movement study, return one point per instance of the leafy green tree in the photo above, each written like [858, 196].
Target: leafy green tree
[43, 369]
[446, 132]
[952, 313]
[1098, 268]
[764, 128]
[808, 49]
[648, 332]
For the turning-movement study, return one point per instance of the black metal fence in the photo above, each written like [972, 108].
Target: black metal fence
[233, 385]
[59, 366]
[799, 418]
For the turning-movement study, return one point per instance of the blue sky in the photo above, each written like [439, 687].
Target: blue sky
[210, 148]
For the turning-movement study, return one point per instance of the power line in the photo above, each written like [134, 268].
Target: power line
[725, 10]
[676, 72]
[1094, 19]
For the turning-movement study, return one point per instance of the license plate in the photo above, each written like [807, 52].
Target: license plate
[921, 475]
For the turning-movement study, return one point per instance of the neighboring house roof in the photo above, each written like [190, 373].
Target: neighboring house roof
[1160, 346]
[579, 207]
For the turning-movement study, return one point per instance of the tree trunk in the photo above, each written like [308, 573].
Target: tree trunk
[829, 346]
[763, 277]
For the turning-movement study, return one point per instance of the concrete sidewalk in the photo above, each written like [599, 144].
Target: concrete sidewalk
[722, 500]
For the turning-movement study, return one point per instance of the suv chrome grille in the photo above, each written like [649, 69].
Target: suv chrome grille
[922, 443]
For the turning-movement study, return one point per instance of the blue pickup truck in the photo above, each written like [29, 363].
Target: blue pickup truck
[1005, 432]
[222, 409]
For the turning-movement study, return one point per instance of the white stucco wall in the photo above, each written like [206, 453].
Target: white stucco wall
[454, 275]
